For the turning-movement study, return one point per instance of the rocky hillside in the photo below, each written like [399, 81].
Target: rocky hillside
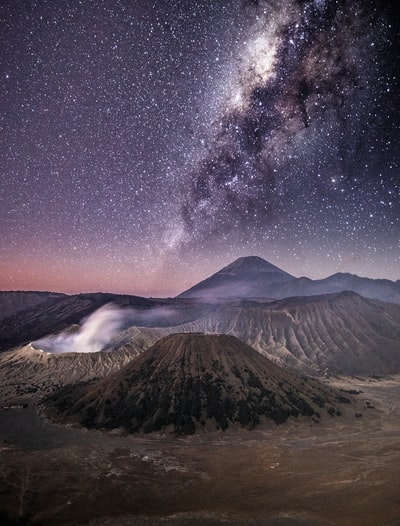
[27, 370]
[343, 334]
[187, 382]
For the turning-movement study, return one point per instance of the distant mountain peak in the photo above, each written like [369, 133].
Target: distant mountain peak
[253, 277]
[253, 263]
[246, 277]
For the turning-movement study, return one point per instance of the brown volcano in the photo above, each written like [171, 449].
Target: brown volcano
[194, 381]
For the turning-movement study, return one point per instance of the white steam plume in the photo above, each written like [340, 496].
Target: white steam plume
[99, 328]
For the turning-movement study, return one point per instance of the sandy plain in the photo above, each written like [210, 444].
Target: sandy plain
[342, 472]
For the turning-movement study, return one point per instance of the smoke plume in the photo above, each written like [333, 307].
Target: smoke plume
[99, 328]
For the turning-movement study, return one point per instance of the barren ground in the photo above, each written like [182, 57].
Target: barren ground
[344, 471]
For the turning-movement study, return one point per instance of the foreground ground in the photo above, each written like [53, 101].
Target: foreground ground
[343, 472]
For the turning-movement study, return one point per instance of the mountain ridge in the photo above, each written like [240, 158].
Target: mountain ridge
[340, 334]
[49, 313]
[278, 284]
[336, 334]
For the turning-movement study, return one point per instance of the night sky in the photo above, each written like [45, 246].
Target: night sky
[144, 145]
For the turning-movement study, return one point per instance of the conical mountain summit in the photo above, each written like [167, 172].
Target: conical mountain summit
[245, 277]
[188, 382]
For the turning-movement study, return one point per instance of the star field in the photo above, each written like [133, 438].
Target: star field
[145, 145]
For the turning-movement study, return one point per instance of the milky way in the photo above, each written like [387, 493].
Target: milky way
[147, 144]
[293, 139]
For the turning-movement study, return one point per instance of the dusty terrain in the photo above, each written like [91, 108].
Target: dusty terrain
[340, 472]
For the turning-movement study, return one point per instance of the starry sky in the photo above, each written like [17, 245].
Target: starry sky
[144, 145]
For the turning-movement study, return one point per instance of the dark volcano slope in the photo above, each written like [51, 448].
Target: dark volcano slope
[194, 381]
[54, 313]
[12, 302]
